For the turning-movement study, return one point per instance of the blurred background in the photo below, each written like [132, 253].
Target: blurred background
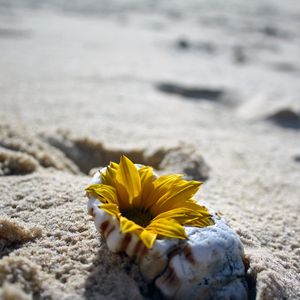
[151, 73]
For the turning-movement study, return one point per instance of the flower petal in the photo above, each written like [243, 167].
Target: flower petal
[196, 215]
[113, 165]
[168, 228]
[128, 181]
[103, 192]
[180, 192]
[180, 214]
[111, 209]
[161, 186]
[147, 178]
[129, 226]
[148, 238]
[109, 176]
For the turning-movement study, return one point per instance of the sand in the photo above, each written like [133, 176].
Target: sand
[208, 90]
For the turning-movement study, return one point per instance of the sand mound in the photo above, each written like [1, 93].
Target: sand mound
[87, 154]
[22, 271]
[286, 117]
[12, 233]
[187, 160]
[283, 114]
[34, 151]
[16, 163]
[13, 292]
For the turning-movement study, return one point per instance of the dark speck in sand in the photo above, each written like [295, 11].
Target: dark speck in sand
[12, 33]
[239, 54]
[285, 67]
[274, 32]
[297, 158]
[203, 46]
[196, 93]
[270, 31]
[183, 44]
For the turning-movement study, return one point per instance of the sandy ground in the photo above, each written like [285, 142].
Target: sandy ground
[201, 88]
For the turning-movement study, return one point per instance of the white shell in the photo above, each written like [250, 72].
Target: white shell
[209, 265]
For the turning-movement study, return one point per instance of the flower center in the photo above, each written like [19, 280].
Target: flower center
[138, 216]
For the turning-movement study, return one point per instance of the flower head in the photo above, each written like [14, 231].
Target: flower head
[151, 207]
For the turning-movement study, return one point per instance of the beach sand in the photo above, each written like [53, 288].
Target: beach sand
[204, 89]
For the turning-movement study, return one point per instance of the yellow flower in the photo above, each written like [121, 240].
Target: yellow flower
[149, 206]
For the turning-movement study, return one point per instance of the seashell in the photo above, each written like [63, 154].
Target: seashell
[209, 265]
